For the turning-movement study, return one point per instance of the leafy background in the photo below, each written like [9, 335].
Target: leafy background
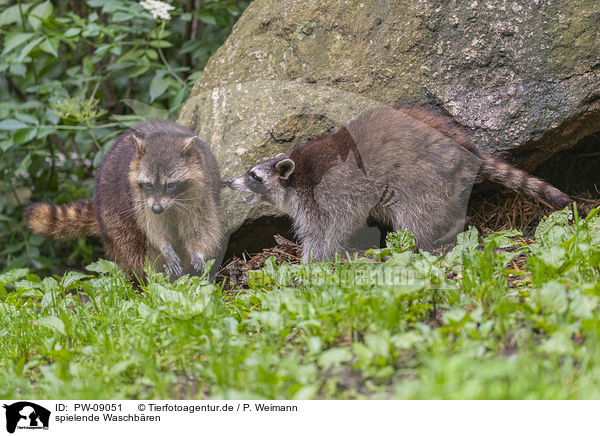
[74, 75]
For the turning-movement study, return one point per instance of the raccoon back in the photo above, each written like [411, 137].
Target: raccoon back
[492, 167]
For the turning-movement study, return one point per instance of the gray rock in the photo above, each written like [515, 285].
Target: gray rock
[523, 76]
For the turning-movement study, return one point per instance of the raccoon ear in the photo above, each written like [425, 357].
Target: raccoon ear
[285, 168]
[139, 144]
[189, 144]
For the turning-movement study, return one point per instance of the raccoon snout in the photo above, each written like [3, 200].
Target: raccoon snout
[234, 184]
[157, 208]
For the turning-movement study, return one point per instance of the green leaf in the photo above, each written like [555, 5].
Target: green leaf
[160, 43]
[71, 278]
[121, 16]
[553, 229]
[52, 323]
[102, 266]
[26, 118]
[73, 31]
[12, 14]
[553, 256]
[24, 135]
[24, 163]
[15, 39]
[503, 239]
[553, 297]
[334, 357]
[12, 124]
[158, 86]
[378, 343]
[400, 241]
[25, 50]
[40, 12]
[208, 19]
[12, 275]
[558, 343]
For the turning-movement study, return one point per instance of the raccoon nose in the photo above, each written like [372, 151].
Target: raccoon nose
[157, 208]
[228, 182]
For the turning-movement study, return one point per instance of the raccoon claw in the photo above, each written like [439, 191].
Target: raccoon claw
[175, 269]
[198, 263]
[173, 261]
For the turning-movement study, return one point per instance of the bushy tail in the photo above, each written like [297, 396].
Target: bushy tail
[499, 171]
[69, 221]
[492, 168]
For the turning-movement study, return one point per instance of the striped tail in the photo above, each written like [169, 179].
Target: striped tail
[499, 171]
[70, 221]
[492, 168]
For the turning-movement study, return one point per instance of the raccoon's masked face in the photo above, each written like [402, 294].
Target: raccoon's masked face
[264, 182]
[163, 176]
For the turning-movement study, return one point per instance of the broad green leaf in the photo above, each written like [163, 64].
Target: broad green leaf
[73, 31]
[334, 357]
[160, 43]
[24, 163]
[28, 47]
[553, 297]
[52, 323]
[558, 343]
[503, 239]
[71, 278]
[40, 12]
[26, 118]
[101, 266]
[15, 39]
[12, 124]
[12, 275]
[12, 14]
[22, 136]
[553, 229]
[158, 86]
[122, 16]
[208, 19]
[400, 241]
[553, 256]
[379, 343]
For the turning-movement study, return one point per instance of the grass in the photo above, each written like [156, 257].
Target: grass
[496, 317]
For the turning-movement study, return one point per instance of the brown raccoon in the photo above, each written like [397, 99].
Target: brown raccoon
[157, 194]
[407, 168]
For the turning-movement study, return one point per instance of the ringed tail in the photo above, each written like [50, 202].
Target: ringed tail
[69, 221]
[492, 168]
[499, 171]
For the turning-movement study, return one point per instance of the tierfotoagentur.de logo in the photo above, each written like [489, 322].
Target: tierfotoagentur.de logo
[26, 415]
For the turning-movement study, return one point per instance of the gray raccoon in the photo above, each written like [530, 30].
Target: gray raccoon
[407, 168]
[157, 193]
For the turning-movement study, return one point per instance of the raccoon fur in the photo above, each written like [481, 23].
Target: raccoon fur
[407, 168]
[157, 196]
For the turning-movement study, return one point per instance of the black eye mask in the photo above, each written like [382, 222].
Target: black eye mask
[175, 188]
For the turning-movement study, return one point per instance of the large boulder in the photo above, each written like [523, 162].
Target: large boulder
[523, 76]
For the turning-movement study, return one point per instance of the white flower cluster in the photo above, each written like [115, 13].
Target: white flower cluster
[157, 8]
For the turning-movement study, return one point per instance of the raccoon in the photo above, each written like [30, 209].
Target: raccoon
[157, 194]
[401, 168]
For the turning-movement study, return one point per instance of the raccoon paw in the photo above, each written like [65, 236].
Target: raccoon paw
[173, 262]
[175, 268]
[198, 262]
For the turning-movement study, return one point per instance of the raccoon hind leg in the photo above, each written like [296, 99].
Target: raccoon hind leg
[378, 218]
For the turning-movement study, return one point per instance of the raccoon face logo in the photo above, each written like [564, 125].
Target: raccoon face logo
[26, 415]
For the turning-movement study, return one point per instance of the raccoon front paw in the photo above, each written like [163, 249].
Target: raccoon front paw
[173, 261]
[198, 262]
[175, 268]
